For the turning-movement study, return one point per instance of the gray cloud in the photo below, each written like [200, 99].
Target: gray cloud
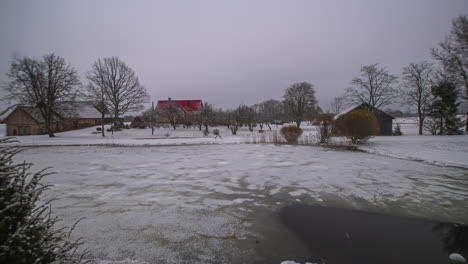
[230, 52]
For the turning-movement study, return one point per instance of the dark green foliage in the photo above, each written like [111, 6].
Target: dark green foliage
[291, 133]
[358, 125]
[138, 122]
[444, 108]
[397, 130]
[28, 232]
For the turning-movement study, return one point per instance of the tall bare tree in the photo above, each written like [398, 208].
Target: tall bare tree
[374, 86]
[299, 100]
[246, 115]
[270, 111]
[50, 84]
[173, 113]
[119, 85]
[452, 53]
[338, 104]
[98, 96]
[417, 82]
[206, 115]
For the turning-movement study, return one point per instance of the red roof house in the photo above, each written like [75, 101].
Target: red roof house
[188, 106]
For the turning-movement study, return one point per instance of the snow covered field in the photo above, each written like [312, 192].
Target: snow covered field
[179, 196]
[442, 150]
[217, 203]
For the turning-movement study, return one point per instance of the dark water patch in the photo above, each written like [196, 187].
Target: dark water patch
[336, 236]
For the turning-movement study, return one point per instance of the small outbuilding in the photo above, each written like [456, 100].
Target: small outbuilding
[385, 120]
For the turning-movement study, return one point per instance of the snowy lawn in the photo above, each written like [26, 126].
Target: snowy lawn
[442, 150]
[218, 203]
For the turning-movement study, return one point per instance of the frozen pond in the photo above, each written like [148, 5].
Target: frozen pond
[219, 203]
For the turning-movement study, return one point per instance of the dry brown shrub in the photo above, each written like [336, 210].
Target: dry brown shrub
[358, 126]
[291, 133]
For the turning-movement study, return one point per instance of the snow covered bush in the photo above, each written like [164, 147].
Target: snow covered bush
[291, 133]
[28, 231]
[358, 126]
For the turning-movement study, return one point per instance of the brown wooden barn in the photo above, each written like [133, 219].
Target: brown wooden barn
[24, 120]
[385, 120]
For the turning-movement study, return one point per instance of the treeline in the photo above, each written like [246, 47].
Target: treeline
[299, 103]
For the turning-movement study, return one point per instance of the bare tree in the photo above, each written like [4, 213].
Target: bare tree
[48, 84]
[173, 113]
[338, 104]
[299, 100]
[270, 111]
[246, 116]
[417, 83]
[98, 96]
[120, 86]
[374, 86]
[206, 115]
[453, 56]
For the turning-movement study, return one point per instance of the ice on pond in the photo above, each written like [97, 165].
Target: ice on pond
[171, 204]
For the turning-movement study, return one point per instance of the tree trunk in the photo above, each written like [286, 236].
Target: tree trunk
[298, 123]
[441, 129]
[268, 124]
[466, 122]
[49, 128]
[421, 121]
[102, 124]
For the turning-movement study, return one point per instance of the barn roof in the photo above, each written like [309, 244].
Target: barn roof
[80, 109]
[187, 105]
[361, 106]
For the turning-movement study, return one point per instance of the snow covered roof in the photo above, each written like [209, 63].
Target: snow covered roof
[34, 113]
[361, 106]
[347, 110]
[86, 109]
[80, 109]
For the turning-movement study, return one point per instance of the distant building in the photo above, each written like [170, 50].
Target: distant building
[189, 106]
[187, 109]
[24, 120]
[385, 120]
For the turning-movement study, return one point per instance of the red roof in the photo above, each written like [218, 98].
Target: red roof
[187, 105]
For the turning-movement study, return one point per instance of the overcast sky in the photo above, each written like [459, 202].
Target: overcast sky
[230, 52]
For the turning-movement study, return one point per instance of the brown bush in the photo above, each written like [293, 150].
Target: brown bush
[291, 133]
[358, 125]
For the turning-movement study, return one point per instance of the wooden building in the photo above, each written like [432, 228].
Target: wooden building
[385, 120]
[24, 120]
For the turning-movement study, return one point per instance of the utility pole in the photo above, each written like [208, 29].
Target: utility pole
[152, 118]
